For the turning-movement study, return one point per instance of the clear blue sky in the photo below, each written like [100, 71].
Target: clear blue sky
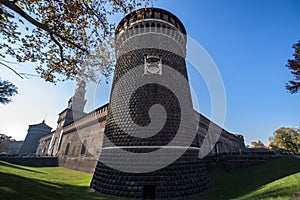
[250, 42]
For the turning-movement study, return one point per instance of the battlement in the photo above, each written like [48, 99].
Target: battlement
[147, 14]
[151, 20]
[86, 120]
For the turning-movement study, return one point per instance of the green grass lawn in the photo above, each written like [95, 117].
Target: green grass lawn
[275, 179]
[39, 183]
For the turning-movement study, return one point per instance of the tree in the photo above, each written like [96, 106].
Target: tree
[287, 139]
[294, 65]
[7, 90]
[258, 144]
[59, 35]
[5, 143]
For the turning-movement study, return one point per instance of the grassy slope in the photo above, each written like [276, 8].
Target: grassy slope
[259, 182]
[20, 182]
[275, 179]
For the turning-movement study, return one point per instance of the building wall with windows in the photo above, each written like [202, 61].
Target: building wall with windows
[78, 144]
[81, 142]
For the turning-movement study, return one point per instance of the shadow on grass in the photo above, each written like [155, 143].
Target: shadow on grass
[17, 187]
[235, 185]
[5, 164]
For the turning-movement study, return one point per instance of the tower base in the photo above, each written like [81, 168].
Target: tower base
[185, 177]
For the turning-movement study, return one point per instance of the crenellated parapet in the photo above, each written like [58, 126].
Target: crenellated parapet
[93, 117]
[144, 23]
[166, 18]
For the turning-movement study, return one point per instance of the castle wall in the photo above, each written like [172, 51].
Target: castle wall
[43, 148]
[82, 141]
[32, 161]
[15, 147]
[226, 143]
[90, 129]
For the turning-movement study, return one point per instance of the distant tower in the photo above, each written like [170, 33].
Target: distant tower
[78, 101]
[31, 142]
[137, 46]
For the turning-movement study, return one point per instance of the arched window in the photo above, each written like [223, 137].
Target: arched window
[158, 27]
[147, 27]
[67, 149]
[164, 28]
[153, 27]
[142, 28]
[83, 148]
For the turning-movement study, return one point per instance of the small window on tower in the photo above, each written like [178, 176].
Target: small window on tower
[153, 64]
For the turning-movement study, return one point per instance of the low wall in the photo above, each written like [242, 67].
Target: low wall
[32, 161]
[88, 164]
[83, 164]
[212, 163]
[233, 163]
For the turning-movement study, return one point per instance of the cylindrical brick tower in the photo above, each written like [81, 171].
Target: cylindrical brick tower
[149, 148]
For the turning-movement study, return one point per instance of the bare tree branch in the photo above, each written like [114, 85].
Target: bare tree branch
[60, 47]
[11, 69]
[30, 75]
[10, 62]
[21, 74]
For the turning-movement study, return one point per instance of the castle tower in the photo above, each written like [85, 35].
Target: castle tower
[31, 142]
[78, 101]
[74, 111]
[150, 149]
